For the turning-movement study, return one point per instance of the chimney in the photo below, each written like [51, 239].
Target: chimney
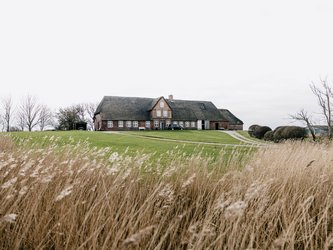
[171, 97]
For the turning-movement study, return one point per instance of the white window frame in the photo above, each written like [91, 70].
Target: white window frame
[120, 124]
[161, 104]
[181, 123]
[156, 123]
[135, 124]
[158, 113]
[128, 124]
[193, 124]
[187, 124]
[147, 124]
[167, 123]
[175, 122]
[110, 124]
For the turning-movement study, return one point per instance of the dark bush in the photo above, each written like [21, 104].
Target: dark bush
[258, 131]
[261, 131]
[252, 129]
[269, 136]
[289, 132]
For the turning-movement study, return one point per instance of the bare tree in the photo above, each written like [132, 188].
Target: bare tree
[2, 123]
[303, 116]
[90, 110]
[29, 112]
[20, 123]
[45, 117]
[67, 117]
[7, 106]
[81, 111]
[324, 94]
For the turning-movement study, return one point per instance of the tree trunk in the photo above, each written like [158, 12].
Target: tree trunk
[311, 131]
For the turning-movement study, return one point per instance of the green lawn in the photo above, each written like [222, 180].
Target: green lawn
[206, 136]
[132, 143]
[245, 133]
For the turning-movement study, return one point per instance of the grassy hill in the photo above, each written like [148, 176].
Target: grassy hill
[209, 144]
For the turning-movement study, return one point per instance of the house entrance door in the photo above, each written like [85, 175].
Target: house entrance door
[162, 125]
[203, 124]
[216, 126]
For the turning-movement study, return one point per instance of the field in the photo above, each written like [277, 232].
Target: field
[159, 145]
[61, 191]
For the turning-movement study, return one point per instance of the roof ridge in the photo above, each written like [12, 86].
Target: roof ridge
[128, 97]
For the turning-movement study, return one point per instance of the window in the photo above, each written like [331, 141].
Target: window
[202, 106]
[161, 104]
[135, 124]
[181, 124]
[187, 124]
[193, 124]
[158, 113]
[165, 113]
[156, 124]
[120, 124]
[110, 124]
[147, 124]
[168, 122]
[175, 122]
[128, 124]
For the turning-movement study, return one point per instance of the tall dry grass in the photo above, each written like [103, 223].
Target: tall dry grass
[75, 198]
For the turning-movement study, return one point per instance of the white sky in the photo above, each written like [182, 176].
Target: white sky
[256, 58]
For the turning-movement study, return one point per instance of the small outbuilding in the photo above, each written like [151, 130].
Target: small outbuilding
[80, 125]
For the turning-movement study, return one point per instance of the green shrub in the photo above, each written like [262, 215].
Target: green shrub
[269, 135]
[252, 129]
[261, 131]
[258, 131]
[289, 132]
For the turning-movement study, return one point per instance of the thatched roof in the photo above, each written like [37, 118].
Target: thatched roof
[138, 108]
[194, 110]
[227, 116]
[125, 108]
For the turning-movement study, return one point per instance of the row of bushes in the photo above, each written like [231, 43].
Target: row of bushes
[279, 134]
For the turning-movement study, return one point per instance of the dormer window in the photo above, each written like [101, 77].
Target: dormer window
[202, 106]
[161, 104]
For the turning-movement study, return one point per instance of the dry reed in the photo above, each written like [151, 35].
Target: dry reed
[75, 197]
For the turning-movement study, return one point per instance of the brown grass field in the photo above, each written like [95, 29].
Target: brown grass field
[73, 197]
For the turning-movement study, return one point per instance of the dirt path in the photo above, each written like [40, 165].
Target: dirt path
[249, 143]
[244, 139]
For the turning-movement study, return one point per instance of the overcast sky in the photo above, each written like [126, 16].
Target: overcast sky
[256, 58]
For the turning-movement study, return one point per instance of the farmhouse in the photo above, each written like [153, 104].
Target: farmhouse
[136, 113]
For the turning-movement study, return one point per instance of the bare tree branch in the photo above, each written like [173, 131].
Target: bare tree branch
[45, 117]
[324, 95]
[303, 116]
[7, 105]
[81, 111]
[2, 123]
[29, 112]
[67, 117]
[90, 110]
[20, 123]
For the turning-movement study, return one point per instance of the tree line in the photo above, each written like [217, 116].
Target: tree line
[29, 114]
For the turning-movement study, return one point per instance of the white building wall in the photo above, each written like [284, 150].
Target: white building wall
[199, 122]
[207, 124]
